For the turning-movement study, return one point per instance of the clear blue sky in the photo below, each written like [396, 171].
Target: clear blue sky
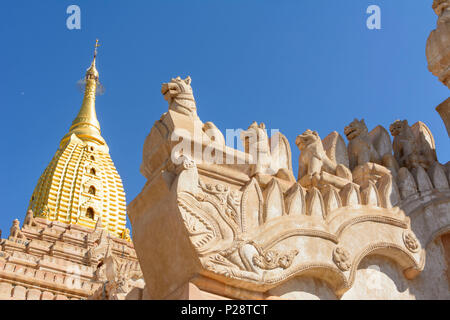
[291, 64]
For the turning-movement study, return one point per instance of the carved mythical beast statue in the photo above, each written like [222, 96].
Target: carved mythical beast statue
[409, 150]
[271, 156]
[364, 147]
[314, 159]
[179, 95]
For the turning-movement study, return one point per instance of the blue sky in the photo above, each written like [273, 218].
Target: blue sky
[294, 65]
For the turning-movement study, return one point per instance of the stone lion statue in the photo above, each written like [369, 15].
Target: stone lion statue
[270, 156]
[407, 147]
[360, 147]
[314, 159]
[374, 147]
[178, 93]
[29, 219]
[404, 145]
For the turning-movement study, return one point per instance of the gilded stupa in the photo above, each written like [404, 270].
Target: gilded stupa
[73, 243]
[81, 183]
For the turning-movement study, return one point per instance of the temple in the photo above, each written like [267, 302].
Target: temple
[366, 215]
[81, 184]
[73, 243]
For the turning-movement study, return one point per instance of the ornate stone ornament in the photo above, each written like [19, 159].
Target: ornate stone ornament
[341, 257]
[411, 242]
[272, 259]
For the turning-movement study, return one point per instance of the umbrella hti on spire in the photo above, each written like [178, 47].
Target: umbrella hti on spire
[92, 71]
[86, 125]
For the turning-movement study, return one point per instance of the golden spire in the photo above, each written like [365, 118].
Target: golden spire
[81, 185]
[86, 126]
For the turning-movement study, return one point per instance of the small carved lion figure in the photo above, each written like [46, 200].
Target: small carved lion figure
[313, 159]
[407, 150]
[404, 145]
[15, 232]
[29, 219]
[360, 147]
[178, 93]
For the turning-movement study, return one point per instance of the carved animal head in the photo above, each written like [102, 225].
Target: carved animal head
[177, 88]
[440, 5]
[355, 129]
[398, 127]
[306, 138]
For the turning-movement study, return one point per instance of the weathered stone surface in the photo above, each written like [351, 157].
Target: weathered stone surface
[437, 44]
[438, 54]
[228, 230]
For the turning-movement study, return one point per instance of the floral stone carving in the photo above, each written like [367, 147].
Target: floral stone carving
[341, 258]
[272, 259]
[411, 241]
